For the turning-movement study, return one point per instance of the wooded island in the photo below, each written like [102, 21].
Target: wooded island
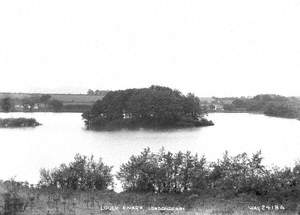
[154, 107]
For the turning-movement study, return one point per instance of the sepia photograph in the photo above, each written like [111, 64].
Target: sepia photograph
[129, 107]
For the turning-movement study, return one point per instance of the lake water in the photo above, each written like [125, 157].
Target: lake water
[24, 151]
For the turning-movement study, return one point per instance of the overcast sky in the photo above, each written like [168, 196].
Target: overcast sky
[210, 47]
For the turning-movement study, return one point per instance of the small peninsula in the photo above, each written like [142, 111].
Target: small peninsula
[18, 122]
[155, 107]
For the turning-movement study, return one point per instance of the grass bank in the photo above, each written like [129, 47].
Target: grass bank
[57, 202]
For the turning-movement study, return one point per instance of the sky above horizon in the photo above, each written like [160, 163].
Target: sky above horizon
[210, 48]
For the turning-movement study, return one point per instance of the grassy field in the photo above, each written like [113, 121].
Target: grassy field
[100, 206]
[67, 99]
[71, 102]
[37, 202]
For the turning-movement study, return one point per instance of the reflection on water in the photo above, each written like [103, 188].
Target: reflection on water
[25, 151]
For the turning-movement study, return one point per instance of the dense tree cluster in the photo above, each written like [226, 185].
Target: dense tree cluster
[165, 172]
[282, 110]
[147, 107]
[82, 174]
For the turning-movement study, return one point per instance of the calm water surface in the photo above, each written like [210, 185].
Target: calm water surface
[25, 151]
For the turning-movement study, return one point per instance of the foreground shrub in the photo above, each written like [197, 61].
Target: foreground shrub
[229, 177]
[240, 176]
[82, 174]
[163, 172]
[234, 175]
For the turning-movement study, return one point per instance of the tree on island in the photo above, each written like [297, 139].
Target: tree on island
[153, 107]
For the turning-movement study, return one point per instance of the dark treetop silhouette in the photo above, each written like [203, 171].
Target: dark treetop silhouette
[153, 107]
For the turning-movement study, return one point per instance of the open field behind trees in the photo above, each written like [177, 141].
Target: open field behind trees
[67, 99]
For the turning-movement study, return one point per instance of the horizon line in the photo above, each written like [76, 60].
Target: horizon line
[66, 93]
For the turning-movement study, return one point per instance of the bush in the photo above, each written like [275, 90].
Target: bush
[238, 174]
[82, 174]
[229, 177]
[163, 172]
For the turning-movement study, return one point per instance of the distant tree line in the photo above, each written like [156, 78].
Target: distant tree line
[271, 105]
[46, 101]
[43, 102]
[181, 173]
[91, 92]
[153, 107]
